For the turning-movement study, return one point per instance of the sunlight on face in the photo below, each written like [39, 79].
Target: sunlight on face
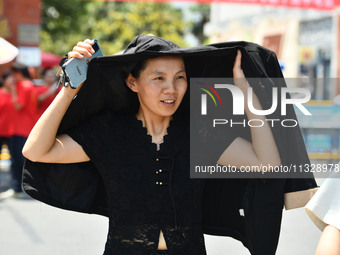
[161, 86]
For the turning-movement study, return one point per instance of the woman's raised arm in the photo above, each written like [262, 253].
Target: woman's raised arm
[262, 151]
[43, 145]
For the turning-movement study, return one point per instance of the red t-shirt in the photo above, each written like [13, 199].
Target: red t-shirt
[39, 90]
[6, 114]
[24, 119]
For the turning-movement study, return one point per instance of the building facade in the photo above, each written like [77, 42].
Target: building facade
[20, 25]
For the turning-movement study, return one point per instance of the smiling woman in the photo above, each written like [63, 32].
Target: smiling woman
[141, 156]
[160, 88]
[137, 224]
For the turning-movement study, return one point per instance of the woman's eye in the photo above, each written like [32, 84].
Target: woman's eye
[181, 77]
[158, 78]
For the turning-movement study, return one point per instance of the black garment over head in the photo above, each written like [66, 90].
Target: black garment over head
[80, 186]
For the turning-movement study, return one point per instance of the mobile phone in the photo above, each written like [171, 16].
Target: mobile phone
[75, 69]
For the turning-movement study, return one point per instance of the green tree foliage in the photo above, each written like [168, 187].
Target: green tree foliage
[202, 12]
[113, 24]
[61, 24]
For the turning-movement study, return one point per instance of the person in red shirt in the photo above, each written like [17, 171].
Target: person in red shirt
[6, 124]
[6, 108]
[47, 92]
[24, 103]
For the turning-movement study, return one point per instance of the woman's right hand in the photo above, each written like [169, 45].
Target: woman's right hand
[81, 50]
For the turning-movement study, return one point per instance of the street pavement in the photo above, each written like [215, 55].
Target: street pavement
[33, 228]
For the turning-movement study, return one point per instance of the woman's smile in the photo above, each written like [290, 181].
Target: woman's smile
[169, 102]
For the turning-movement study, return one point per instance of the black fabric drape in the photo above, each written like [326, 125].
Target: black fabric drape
[78, 187]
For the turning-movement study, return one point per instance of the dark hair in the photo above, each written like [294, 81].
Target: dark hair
[141, 65]
[21, 69]
[4, 76]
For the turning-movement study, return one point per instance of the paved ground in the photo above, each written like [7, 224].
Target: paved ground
[30, 227]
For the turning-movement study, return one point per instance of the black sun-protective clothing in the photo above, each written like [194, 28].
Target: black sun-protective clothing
[78, 186]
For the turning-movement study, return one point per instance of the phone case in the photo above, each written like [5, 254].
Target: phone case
[76, 69]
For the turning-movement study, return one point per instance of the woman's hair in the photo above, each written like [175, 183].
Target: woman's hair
[141, 65]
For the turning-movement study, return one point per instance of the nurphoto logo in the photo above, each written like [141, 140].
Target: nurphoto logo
[238, 99]
[219, 111]
[216, 93]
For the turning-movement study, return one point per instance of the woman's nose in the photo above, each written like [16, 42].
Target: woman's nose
[170, 87]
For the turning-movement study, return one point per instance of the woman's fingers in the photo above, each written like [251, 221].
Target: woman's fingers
[74, 54]
[91, 42]
[82, 49]
[238, 59]
[87, 44]
[237, 70]
[239, 77]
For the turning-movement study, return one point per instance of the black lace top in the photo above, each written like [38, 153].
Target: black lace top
[148, 189]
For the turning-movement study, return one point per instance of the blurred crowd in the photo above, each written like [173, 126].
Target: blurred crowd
[21, 104]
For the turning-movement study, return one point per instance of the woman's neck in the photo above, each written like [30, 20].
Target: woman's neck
[155, 125]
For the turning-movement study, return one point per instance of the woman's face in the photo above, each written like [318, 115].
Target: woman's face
[160, 86]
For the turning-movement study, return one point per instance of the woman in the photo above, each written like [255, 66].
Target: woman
[149, 152]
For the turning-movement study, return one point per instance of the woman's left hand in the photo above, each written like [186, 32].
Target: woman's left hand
[239, 77]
